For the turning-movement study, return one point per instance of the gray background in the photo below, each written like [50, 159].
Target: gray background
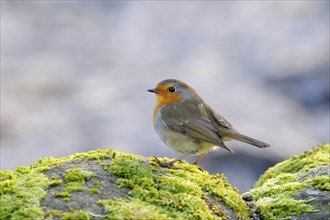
[74, 76]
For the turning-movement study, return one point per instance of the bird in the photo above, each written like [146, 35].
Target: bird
[188, 125]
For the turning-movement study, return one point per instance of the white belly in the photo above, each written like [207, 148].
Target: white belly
[178, 141]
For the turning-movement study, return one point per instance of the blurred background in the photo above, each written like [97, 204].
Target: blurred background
[75, 74]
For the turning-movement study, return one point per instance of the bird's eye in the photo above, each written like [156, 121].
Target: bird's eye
[171, 89]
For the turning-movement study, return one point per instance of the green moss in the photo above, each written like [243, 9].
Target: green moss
[49, 162]
[179, 194]
[77, 175]
[54, 181]
[97, 155]
[320, 182]
[62, 194]
[51, 214]
[75, 187]
[304, 162]
[75, 179]
[94, 191]
[21, 191]
[28, 213]
[42, 169]
[134, 209]
[127, 166]
[7, 182]
[74, 215]
[67, 199]
[275, 189]
[282, 208]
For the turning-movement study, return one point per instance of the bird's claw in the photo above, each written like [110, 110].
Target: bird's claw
[169, 164]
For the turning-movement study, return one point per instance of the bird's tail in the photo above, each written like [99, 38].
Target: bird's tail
[248, 140]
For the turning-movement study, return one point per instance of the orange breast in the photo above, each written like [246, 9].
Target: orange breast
[165, 98]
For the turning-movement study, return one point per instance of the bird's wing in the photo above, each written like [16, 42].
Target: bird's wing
[190, 120]
[221, 121]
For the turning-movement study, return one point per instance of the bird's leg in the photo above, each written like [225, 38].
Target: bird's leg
[200, 158]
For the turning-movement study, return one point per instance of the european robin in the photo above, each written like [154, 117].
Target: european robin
[187, 124]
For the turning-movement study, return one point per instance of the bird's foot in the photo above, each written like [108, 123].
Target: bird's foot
[169, 164]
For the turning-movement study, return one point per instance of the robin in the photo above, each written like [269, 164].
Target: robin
[187, 124]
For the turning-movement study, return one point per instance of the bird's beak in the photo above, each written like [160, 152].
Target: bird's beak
[154, 90]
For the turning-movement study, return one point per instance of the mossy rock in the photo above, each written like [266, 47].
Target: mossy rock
[298, 188]
[105, 184]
